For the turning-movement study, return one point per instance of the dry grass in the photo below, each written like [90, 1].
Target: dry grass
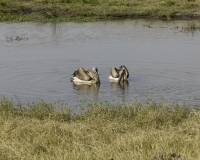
[92, 10]
[149, 130]
[191, 26]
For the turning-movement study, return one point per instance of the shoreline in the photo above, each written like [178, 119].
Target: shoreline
[25, 18]
[96, 10]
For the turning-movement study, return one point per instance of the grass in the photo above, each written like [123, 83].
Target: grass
[95, 10]
[149, 130]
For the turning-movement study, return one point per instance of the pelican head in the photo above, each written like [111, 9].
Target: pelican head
[96, 75]
[95, 69]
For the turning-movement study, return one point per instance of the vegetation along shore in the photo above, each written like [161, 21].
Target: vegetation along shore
[100, 131]
[95, 10]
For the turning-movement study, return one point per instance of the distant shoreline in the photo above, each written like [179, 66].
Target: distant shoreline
[96, 10]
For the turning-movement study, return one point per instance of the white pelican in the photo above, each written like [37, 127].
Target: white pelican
[85, 76]
[118, 75]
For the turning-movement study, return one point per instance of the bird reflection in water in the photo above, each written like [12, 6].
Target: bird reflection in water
[85, 91]
[122, 85]
[119, 89]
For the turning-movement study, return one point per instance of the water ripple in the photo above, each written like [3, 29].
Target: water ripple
[162, 62]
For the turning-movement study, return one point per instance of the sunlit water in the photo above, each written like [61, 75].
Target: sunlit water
[163, 61]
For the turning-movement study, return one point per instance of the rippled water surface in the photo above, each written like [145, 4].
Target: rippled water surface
[163, 60]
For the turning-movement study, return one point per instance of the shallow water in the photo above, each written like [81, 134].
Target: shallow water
[163, 60]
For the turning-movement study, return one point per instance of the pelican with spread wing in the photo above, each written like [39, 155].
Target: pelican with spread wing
[118, 75]
[85, 76]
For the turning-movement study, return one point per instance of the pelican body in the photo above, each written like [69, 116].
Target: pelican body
[118, 75]
[85, 76]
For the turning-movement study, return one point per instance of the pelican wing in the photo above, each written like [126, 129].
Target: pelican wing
[121, 76]
[82, 74]
[126, 75]
[114, 72]
[126, 72]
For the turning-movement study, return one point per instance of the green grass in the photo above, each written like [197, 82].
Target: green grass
[95, 10]
[148, 130]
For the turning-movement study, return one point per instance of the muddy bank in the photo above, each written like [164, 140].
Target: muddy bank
[162, 17]
[67, 18]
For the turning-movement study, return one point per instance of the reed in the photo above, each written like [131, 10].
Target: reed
[136, 130]
[95, 10]
[191, 26]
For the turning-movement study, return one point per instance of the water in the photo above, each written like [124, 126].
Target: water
[163, 61]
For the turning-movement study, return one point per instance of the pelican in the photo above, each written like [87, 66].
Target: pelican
[118, 75]
[85, 76]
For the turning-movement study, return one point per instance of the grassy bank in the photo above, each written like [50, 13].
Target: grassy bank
[93, 10]
[149, 130]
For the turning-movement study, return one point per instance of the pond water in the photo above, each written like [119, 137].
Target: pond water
[163, 60]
